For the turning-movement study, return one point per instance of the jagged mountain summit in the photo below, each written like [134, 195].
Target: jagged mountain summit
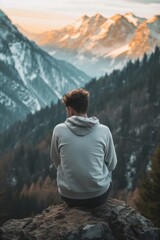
[30, 78]
[98, 45]
[90, 34]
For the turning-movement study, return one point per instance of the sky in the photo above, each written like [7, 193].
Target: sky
[43, 15]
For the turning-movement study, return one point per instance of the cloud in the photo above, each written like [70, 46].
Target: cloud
[37, 21]
[54, 14]
[144, 1]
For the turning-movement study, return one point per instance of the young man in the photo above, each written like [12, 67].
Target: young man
[83, 152]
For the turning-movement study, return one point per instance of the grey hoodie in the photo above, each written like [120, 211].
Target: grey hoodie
[83, 152]
[80, 125]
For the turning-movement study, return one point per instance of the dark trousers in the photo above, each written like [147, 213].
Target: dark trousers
[91, 202]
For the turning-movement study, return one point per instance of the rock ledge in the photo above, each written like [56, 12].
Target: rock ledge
[113, 220]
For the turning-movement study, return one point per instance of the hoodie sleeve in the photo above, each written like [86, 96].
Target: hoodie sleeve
[54, 152]
[110, 156]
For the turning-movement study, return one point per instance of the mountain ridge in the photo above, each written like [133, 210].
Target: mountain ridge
[108, 43]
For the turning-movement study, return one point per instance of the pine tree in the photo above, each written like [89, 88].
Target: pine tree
[149, 192]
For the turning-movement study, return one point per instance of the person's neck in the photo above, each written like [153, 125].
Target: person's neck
[81, 115]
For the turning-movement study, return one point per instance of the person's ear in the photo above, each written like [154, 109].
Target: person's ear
[70, 111]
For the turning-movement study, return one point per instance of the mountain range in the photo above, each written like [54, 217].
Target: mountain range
[98, 45]
[30, 78]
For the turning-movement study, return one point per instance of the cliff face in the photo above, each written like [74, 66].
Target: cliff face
[113, 220]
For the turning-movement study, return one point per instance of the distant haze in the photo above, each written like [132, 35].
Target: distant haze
[39, 16]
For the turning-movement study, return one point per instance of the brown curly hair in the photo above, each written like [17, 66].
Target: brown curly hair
[77, 99]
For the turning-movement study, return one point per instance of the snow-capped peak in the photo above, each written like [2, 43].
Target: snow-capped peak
[98, 17]
[116, 17]
[80, 21]
[131, 18]
[96, 37]
[134, 19]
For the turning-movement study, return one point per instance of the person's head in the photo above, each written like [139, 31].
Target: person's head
[76, 102]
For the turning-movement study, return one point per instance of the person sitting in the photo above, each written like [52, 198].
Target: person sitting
[83, 152]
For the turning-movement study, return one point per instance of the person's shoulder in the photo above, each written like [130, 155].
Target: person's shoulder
[104, 127]
[105, 130]
[59, 127]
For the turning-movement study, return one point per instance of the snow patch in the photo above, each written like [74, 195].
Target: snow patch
[130, 171]
[57, 94]
[76, 35]
[94, 59]
[42, 73]
[76, 82]
[18, 57]
[33, 76]
[80, 57]
[4, 58]
[6, 101]
[149, 166]
[13, 181]
[79, 22]
[98, 51]
[32, 103]
[131, 18]
[52, 53]
[118, 51]
[64, 38]
[140, 129]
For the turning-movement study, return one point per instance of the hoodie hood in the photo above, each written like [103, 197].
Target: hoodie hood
[81, 126]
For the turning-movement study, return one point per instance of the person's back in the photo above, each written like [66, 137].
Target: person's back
[83, 152]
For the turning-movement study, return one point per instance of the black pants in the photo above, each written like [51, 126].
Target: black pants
[91, 202]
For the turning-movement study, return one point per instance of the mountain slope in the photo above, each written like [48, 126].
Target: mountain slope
[98, 45]
[29, 77]
[146, 38]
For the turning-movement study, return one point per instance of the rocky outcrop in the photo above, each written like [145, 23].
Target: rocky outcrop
[113, 220]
